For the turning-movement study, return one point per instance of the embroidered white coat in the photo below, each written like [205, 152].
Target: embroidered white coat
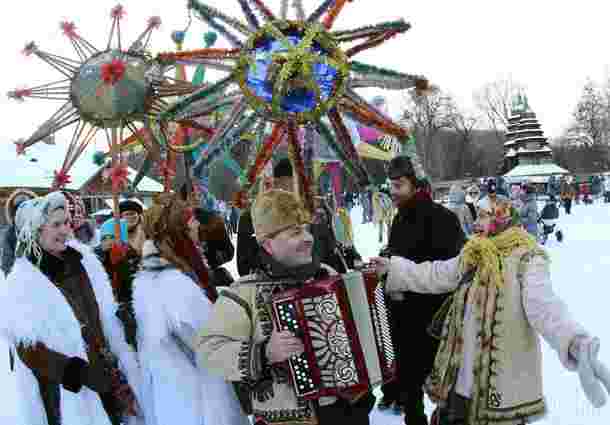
[530, 308]
[170, 309]
[32, 309]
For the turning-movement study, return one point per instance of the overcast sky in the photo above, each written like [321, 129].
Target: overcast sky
[549, 46]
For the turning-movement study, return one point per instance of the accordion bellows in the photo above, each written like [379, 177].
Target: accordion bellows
[344, 325]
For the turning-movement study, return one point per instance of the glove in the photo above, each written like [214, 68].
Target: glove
[591, 372]
[282, 346]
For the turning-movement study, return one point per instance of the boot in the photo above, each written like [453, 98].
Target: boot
[414, 413]
[416, 419]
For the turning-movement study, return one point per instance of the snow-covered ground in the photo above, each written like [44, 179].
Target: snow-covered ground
[580, 269]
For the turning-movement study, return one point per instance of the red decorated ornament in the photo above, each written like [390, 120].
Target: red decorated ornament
[118, 176]
[154, 22]
[29, 48]
[20, 148]
[61, 179]
[19, 94]
[69, 29]
[118, 12]
[113, 72]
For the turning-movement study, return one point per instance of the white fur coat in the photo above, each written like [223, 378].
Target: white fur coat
[170, 309]
[32, 309]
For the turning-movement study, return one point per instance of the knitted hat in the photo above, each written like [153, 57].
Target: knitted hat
[277, 210]
[31, 216]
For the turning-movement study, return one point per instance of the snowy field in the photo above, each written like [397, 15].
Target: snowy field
[580, 269]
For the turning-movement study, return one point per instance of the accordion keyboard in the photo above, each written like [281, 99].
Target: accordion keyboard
[382, 325]
[287, 319]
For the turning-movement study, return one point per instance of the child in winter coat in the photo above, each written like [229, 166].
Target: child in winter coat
[489, 329]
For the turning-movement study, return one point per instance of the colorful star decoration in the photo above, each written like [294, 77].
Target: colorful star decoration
[115, 89]
[290, 73]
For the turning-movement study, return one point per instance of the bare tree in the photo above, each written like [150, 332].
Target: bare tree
[590, 122]
[464, 125]
[427, 115]
[494, 100]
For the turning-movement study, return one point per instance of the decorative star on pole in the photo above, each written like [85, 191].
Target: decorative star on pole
[291, 74]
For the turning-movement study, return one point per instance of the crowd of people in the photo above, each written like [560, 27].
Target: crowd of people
[143, 324]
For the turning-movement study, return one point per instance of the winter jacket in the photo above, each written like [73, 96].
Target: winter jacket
[529, 214]
[550, 212]
[170, 308]
[457, 204]
[232, 345]
[525, 307]
[82, 347]
[421, 231]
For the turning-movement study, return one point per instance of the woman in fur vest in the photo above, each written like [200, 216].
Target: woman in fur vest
[488, 367]
[172, 299]
[57, 310]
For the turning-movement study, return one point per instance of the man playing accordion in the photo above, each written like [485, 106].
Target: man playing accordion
[241, 342]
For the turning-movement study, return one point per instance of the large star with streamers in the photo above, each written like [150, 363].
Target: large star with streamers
[290, 73]
[115, 89]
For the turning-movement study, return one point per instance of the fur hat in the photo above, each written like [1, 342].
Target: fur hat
[276, 210]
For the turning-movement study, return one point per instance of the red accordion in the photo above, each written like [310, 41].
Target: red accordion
[344, 325]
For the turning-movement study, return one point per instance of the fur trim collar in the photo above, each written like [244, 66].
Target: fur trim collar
[26, 306]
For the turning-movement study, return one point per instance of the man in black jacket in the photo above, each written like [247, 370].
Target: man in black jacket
[421, 231]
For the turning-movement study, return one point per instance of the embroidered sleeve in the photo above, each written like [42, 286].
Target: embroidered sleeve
[225, 346]
[545, 311]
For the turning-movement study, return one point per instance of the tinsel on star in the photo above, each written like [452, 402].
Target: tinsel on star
[296, 158]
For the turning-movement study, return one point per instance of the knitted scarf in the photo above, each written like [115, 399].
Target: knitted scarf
[486, 254]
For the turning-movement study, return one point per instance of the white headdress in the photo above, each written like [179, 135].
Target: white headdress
[31, 216]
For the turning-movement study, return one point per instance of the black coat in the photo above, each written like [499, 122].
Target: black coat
[421, 231]
[248, 259]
